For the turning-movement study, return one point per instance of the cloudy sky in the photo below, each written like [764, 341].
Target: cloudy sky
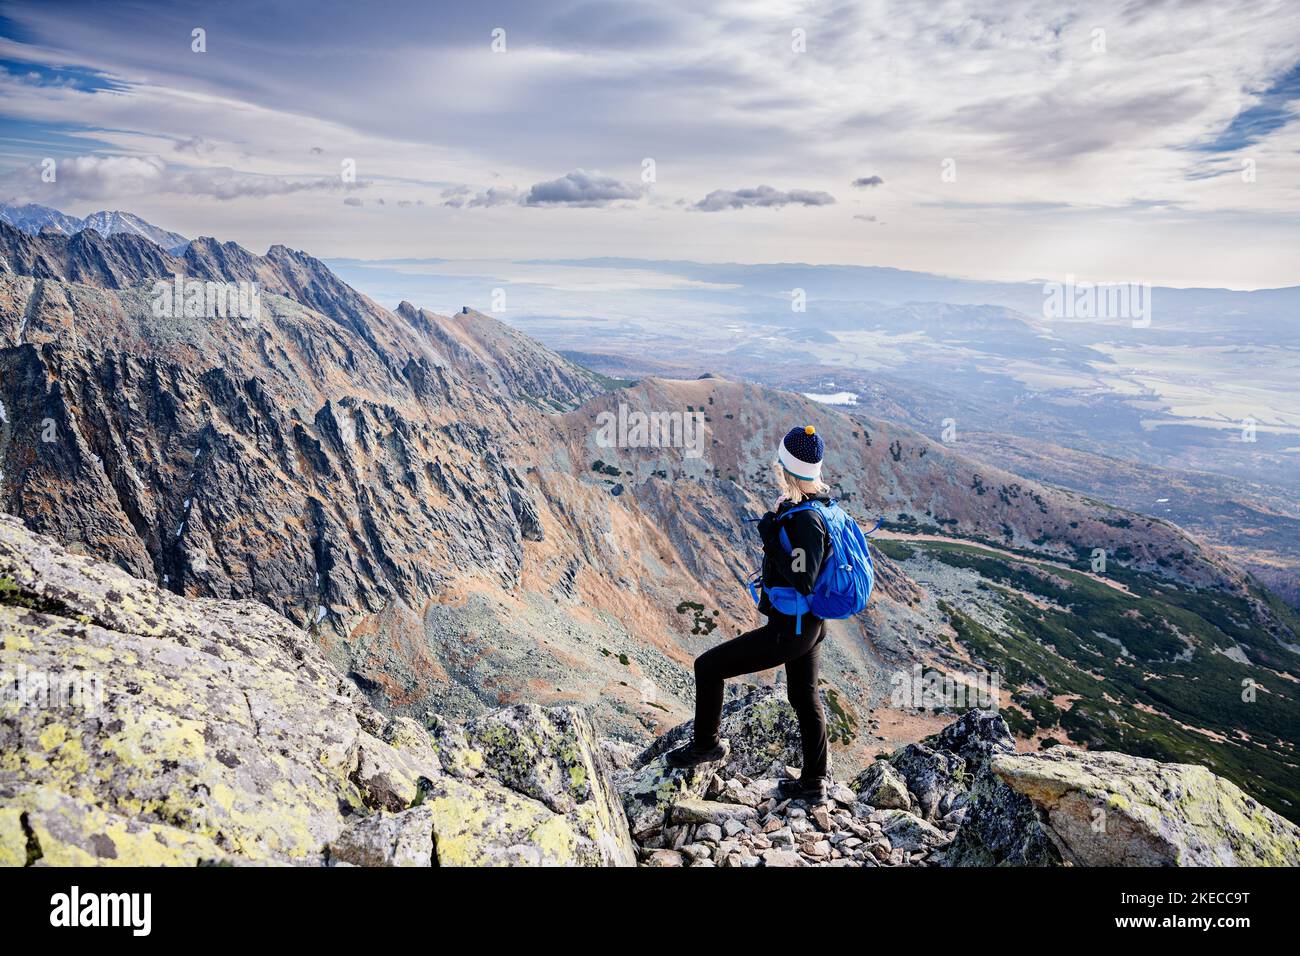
[1016, 139]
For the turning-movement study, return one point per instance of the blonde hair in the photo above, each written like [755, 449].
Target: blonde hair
[796, 489]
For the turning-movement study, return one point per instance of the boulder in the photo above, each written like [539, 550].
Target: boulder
[931, 776]
[881, 786]
[387, 839]
[390, 778]
[760, 726]
[709, 811]
[1109, 809]
[453, 749]
[483, 823]
[975, 737]
[41, 826]
[908, 832]
[654, 787]
[553, 756]
[550, 755]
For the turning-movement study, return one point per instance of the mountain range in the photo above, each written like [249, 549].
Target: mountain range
[430, 496]
[33, 219]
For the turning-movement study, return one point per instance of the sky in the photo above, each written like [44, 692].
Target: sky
[1112, 141]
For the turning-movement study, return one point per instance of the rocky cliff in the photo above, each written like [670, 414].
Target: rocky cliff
[141, 727]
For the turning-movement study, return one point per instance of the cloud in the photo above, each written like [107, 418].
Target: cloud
[581, 188]
[866, 182]
[865, 218]
[764, 196]
[352, 201]
[195, 145]
[125, 177]
[463, 197]
[1017, 94]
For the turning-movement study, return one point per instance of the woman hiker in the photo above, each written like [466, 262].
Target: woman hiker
[782, 640]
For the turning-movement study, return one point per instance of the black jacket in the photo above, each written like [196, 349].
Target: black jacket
[809, 544]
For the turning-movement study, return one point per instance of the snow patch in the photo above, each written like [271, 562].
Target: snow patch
[833, 398]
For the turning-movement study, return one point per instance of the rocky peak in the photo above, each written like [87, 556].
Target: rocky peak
[500, 358]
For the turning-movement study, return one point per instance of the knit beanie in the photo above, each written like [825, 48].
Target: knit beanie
[801, 453]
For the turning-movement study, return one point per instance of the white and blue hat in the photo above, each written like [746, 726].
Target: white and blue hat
[801, 453]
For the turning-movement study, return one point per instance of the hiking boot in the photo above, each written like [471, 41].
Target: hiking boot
[690, 756]
[816, 792]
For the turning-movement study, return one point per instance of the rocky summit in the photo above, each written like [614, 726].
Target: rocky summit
[141, 727]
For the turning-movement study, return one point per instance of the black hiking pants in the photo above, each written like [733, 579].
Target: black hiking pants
[771, 645]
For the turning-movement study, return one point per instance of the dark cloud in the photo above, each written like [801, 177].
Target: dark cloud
[581, 188]
[763, 196]
[866, 182]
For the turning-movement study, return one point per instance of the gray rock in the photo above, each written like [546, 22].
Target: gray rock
[842, 795]
[670, 858]
[760, 726]
[655, 786]
[908, 832]
[975, 737]
[782, 858]
[697, 851]
[930, 774]
[1108, 809]
[387, 839]
[710, 811]
[881, 786]
[709, 831]
[783, 837]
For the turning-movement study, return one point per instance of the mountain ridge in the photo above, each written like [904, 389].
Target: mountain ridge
[33, 218]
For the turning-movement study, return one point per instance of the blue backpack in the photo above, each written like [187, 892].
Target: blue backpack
[845, 581]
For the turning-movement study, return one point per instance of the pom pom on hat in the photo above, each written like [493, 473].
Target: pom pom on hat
[801, 453]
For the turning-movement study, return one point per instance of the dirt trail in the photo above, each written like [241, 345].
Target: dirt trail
[993, 549]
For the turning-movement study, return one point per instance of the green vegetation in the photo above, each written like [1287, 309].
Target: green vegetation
[843, 724]
[894, 550]
[1141, 658]
[704, 622]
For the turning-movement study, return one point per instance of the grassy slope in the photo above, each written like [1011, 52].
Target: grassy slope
[1059, 647]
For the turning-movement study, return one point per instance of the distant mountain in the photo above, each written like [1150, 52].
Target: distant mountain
[33, 219]
[114, 223]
